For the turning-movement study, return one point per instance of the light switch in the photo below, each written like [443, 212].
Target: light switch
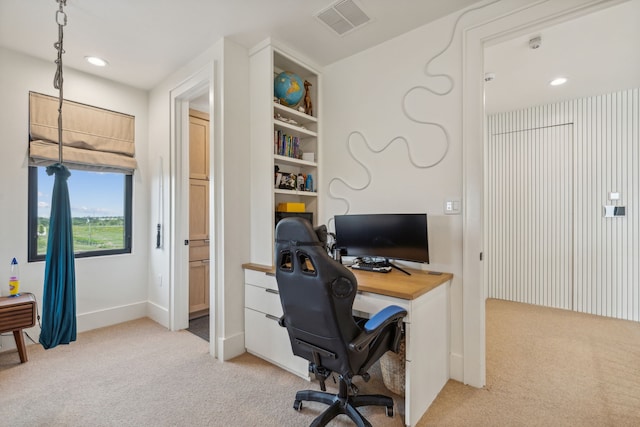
[614, 195]
[452, 207]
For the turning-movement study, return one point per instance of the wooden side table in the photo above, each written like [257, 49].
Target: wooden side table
[17, 313]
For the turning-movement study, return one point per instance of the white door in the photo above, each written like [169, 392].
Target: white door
[530, 213]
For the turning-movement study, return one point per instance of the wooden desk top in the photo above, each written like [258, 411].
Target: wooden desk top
[394, 284]
[399, 285]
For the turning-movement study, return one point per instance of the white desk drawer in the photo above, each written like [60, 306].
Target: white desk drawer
[261, 279]
[268, 340]
[262, 299]
[371, 303]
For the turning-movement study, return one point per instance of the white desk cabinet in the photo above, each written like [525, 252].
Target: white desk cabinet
[264, 337]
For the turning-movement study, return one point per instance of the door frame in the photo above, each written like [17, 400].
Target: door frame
[524, 17]
[201, 82]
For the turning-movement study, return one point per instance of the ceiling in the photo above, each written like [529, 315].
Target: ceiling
[146, 40]
[599, 53]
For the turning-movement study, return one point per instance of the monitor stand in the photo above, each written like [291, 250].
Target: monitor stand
[387, 262]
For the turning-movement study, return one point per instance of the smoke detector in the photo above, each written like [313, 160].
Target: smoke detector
[535, 42]
[343, 17]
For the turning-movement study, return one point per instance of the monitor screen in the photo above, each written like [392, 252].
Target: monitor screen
[390, 236]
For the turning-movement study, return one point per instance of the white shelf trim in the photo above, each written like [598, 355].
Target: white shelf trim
[295, 192]
[288, 110]
[298, 129]
[293, 161]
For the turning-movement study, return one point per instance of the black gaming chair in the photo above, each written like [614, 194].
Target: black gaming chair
[317, 295]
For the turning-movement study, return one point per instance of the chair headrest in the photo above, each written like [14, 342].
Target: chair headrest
[297, 231]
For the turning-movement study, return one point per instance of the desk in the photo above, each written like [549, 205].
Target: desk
[427, 326]
[17, 313]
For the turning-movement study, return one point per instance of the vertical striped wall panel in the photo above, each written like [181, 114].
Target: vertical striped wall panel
[550, 170]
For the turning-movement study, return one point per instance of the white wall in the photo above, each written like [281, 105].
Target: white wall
[109, 289]
[364, 93]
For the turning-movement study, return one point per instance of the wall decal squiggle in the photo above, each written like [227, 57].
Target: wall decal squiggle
[409, 116]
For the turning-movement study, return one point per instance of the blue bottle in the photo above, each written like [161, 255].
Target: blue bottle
[308, 185]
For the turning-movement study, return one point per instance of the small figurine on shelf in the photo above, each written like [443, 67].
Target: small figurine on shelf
[288, 181]
[308, 106]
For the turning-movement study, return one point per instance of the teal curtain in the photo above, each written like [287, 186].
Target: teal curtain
[59, 295]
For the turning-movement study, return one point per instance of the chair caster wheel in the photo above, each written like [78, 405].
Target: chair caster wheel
[297, 405]
[389, 411]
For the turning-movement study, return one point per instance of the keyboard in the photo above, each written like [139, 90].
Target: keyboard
[371, 266]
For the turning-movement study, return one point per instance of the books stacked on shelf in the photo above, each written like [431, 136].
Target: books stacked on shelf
[286, 145]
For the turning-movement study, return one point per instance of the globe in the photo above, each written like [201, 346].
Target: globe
[288, 88]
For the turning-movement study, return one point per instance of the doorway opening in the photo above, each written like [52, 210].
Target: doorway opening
[199, 216]
[192, 97]
[475, 39]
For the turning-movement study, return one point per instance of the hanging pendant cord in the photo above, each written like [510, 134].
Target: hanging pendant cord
[61, 20]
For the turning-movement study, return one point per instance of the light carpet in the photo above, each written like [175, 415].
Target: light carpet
[545, 367]
[139, 374]
[549, 367]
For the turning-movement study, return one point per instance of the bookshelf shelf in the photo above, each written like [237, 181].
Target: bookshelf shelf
[294, 130]
[293, 161]
[295, 192]
[289, 112]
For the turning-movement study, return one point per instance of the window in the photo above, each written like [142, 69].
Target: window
[100, 211]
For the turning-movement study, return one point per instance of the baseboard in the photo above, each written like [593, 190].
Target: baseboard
[231, 347]
[456, 367]
[88, 321]
[158, 314]
[111, 316]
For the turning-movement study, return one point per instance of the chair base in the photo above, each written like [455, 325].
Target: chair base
[342, 405]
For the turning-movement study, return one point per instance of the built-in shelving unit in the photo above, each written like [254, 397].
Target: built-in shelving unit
[269, 121]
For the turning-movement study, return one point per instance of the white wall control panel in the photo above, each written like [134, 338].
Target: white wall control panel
[613, 211]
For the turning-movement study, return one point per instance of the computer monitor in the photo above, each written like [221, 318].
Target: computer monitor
[389, 236]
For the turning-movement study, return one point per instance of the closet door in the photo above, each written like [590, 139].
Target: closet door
[530, 214]
[198, 214]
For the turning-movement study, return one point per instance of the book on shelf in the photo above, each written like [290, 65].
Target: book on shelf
[286, 145]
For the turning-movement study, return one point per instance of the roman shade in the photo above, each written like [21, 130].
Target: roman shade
[92, 138]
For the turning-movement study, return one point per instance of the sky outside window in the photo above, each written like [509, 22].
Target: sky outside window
[92, 194]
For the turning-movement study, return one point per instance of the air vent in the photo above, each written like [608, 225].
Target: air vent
[343, 16]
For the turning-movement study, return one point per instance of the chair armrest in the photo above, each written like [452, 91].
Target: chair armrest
[375, 325]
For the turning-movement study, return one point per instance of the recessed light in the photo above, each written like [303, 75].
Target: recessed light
[94, 60]
[558, 81]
